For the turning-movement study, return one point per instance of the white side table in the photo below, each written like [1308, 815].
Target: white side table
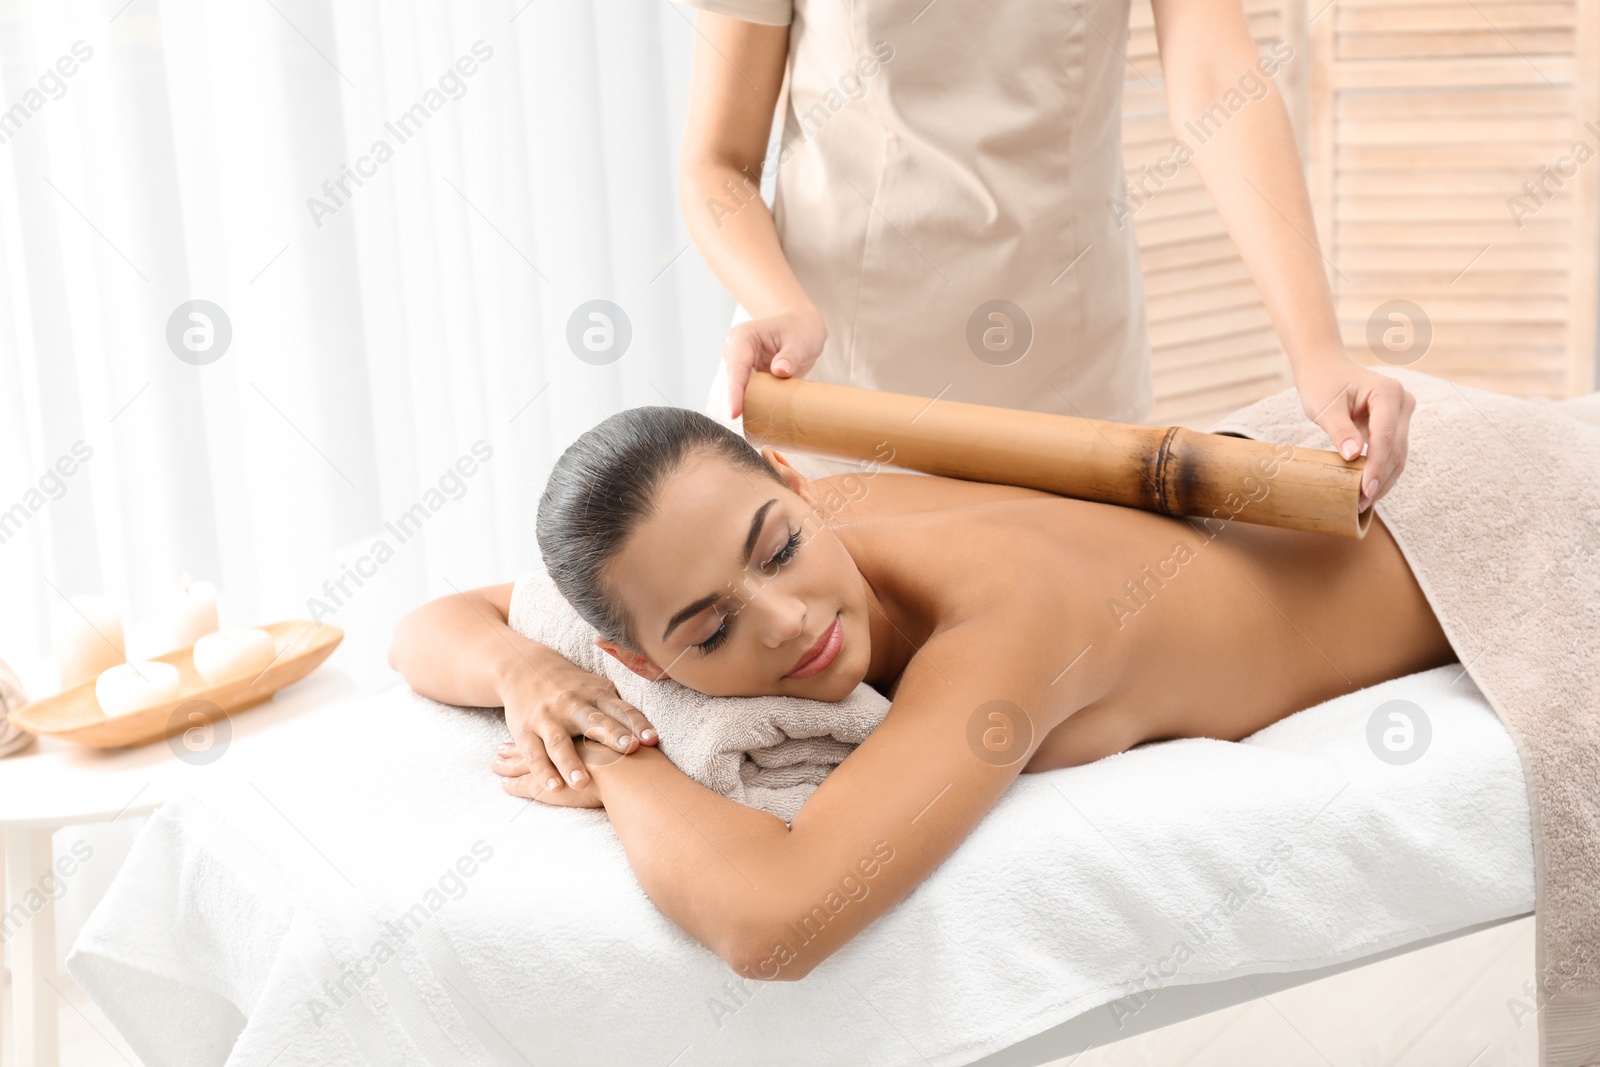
[58, 783]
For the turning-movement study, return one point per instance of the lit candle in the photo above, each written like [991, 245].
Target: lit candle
[87, 636]
[192, 614]
[230, 653]
[130, 687]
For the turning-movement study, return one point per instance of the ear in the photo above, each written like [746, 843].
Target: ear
[643, 666]
[797, 482]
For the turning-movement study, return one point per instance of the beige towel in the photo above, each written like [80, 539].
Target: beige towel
[768, 752]
[1498, 513]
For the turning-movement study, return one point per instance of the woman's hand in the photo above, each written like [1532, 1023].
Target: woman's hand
[785, 345]
[547, 708]
[1356, 405]
[516, 779]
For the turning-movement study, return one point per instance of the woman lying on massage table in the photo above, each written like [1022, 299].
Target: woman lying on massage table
[1013, 630]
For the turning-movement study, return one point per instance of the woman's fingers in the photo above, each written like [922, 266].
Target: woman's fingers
[559, 747]
[578, 703]
[536, 764]
[613, 727]
[522, 785]
[512, 768]
[635, 721]
[530, 745]
[515, 775]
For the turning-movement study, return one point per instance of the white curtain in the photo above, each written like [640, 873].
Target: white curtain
[395, 310]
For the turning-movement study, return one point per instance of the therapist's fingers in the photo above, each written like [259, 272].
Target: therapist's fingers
[1381, 408]
[739, 351]
[1388, 425]
[1341, 428]
[792, 358]
[785, 345]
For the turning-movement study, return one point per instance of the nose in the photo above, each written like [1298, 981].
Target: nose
[783, 620]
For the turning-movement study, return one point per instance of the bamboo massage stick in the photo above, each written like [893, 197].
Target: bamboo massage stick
[1166, 469]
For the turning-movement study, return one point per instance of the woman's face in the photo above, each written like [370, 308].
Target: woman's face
[735, 579]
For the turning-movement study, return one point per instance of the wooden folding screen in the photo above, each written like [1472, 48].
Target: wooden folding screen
[1453, 157]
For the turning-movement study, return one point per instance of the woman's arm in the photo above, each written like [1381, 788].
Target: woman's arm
[738, 73]
[774, 901]
[1253, 172]
[458, 649]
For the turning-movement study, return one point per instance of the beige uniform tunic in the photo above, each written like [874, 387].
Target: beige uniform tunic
[947, 191]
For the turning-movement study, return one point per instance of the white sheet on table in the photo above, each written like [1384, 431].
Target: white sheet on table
[234, 908]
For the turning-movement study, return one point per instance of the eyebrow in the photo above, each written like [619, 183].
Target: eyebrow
[756, 522]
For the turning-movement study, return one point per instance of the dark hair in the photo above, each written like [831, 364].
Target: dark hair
[602, 488]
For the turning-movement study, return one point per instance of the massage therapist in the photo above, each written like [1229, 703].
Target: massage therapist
[951, 218]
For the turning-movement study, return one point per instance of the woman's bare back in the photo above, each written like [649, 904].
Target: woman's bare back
[1175, 628]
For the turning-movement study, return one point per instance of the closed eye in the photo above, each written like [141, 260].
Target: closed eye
[712, 643]
[784, 554]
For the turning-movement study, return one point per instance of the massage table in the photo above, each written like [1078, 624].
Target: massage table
[383, 901]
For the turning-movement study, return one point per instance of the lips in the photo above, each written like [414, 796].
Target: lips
[822, 653]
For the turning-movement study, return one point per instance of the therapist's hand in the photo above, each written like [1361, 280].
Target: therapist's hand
[785, 345]
[1356, 405]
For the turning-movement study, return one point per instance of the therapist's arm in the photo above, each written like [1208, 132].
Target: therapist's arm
[738, 73]
[1253, 171]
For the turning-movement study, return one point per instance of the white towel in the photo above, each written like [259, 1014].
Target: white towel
[250, 925]
[768, 752]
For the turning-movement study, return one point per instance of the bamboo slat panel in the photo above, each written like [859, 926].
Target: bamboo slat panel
[1450, 178]
[1443, 140]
